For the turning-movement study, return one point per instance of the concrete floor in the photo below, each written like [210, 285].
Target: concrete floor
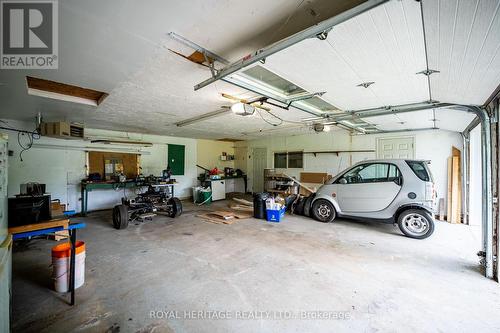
[369, 273]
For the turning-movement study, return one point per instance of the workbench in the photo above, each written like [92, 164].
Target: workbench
[48, 227]
[87, 187]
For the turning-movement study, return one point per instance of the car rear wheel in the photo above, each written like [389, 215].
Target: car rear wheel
[323, 210]
[416, 223]
[120, 217]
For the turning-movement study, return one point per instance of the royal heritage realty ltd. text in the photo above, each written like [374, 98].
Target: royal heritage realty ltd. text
[249, 315]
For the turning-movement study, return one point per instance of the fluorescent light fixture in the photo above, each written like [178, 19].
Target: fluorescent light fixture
[242, 109]
[122, 142]
[202, 117]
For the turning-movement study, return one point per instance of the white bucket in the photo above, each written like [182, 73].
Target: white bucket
[61, 264]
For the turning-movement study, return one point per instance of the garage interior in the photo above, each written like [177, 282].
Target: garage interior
[152, 140]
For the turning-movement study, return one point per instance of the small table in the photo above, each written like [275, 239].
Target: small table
[51, 226]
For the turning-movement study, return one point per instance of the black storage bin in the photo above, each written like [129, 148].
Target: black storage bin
[259, 205]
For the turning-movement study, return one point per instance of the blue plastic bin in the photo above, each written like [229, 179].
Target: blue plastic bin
[275, 215]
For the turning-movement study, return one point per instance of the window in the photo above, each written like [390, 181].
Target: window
[280, 160]
[295, 159]
[419, 169]
[371, 173]
[289, 160]
[393, 173]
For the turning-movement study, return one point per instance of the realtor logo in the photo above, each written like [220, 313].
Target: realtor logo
[29, 38]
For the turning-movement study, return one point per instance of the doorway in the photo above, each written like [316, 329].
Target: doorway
[259, 164]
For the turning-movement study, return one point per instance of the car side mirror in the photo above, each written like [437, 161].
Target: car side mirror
[342, 181]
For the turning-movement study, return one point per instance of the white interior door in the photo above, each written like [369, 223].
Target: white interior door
[259, 164]
[403, 147]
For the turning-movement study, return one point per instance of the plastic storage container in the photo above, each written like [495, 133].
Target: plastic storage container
[275, 215]
[205, 196]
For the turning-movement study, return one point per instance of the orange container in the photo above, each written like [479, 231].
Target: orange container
[64, 250]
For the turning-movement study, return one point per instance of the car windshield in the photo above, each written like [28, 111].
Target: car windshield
[420, 170]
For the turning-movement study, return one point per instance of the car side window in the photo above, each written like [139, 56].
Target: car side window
[371, 173]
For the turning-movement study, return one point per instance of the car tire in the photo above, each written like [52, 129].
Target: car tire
[323, 211]
[298, 207]
[307, 206]
[176, 207]
[416, 223]
[120, 217]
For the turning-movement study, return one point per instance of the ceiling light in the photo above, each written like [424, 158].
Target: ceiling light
[242, 109]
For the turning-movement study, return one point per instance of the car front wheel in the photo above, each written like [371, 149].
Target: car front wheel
[323, 210]
[416, 223]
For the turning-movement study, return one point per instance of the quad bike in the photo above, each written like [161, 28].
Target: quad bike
[145, 206]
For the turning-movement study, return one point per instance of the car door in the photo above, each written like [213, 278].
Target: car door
[368, 187]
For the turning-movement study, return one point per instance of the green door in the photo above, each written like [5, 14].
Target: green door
[176, 159]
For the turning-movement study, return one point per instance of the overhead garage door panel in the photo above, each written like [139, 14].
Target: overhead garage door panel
[464, 45]
[384, 45]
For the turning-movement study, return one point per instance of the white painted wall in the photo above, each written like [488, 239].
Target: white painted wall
[434, 145]
[209, 152]
[63, 168]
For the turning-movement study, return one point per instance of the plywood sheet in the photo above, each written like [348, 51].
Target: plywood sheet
[130, 162]
[313, 177]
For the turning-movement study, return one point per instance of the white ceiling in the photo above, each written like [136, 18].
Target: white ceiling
[121, 47]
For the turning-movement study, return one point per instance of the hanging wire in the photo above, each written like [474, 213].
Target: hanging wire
[31, 135]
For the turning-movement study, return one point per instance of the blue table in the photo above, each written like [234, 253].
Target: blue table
[72, 237]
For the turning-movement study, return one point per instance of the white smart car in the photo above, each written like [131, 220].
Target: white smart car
[389, 191]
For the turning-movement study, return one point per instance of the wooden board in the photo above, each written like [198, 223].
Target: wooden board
[454, 195]
[448, 196]
[455, 192]
[65, 89]
[244, 208]
[38, 226]
[130, 162]
[243, 202]
[313, 177]
[223, 217]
